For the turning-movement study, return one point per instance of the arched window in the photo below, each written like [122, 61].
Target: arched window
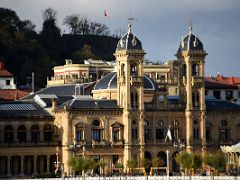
[116, 132]
[8, 134]
[21, 134]
[224, 123]
[195, 130]
[134, 100]
[35, 133]
[175, 130]
[134, 131]
[134, 70]
[79, 132]
[195, 70]
[147, 131]
[47, 131]
[160, 123]
[160, 131]
[96, 130]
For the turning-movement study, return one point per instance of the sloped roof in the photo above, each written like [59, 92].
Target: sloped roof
[211, 83]
[61, 90]
[221, 105]
[5, 73]
[90, 104]
[12, 94]
[25, 109]
[110, 82]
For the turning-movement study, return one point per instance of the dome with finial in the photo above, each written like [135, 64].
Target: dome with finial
[129, 41]
[190, 42]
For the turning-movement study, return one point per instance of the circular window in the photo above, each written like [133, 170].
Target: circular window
[96, 123]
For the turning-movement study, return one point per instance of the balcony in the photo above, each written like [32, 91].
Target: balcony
[99, 143]
[197, 81]
[117, 142]
[29, 144]
[136, 80]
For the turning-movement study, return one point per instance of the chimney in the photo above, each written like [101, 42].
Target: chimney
[2, 65]
[54, 104]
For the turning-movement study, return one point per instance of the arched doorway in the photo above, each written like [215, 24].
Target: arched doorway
[175, 166]
[162, 155]
[147, 159]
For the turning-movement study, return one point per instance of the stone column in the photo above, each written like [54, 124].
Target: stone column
[22, 166]
[48, 163]
[9, 166]
[35, 165]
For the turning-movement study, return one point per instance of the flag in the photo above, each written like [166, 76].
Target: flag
[169, 135]
[106, 13]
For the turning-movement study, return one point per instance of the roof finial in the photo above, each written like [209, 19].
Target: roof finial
[129, 27]
[190, 26]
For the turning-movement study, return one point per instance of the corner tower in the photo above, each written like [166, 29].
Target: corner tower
[130, 56]
[191, 56]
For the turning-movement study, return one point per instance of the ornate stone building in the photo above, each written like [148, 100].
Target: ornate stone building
[123, 116]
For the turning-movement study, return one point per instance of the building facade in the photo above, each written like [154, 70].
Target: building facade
[123, 116]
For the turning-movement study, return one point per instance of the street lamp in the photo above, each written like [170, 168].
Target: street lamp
[74, 148]
[179, 144]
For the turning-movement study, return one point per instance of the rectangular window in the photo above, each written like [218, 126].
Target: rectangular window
[196, 133]
[223, 134]
[147, 135]
[134, 133]
[7, 82]
[115, 135]
[79, 135]
[96, 135]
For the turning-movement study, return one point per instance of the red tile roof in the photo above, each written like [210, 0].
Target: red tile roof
[226, 80]
[5, 73]
[12, 94]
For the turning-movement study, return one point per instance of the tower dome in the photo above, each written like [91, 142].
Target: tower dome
[190, 43]
[129, 42]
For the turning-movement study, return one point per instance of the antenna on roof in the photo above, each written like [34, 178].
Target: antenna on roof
[190, 25]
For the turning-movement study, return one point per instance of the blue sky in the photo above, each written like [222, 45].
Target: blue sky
[160, 24]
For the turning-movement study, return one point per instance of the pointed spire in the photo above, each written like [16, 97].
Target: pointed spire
[190, 26]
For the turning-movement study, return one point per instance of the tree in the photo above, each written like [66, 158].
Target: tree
[102, 30]
[84, 26]
[81, 164]
[146, 163]
[185, 160]
[157, 162]
[72, 22]
[84, 53]
[216, 160]
[49, 14]
[132, 163]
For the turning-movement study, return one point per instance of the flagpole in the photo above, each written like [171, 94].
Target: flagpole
[167, 152]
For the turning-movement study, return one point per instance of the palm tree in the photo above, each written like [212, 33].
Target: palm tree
[216, 160]
[185, 160]
[157, 162]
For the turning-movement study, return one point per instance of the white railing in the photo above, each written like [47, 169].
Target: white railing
[148, 178]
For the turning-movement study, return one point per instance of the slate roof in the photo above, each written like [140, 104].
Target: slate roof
[90, 104]
[190, 43]
[25, 109]
[110, 82]
[221, 105]
[211, 103]
[61, 90]
[129, 42]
